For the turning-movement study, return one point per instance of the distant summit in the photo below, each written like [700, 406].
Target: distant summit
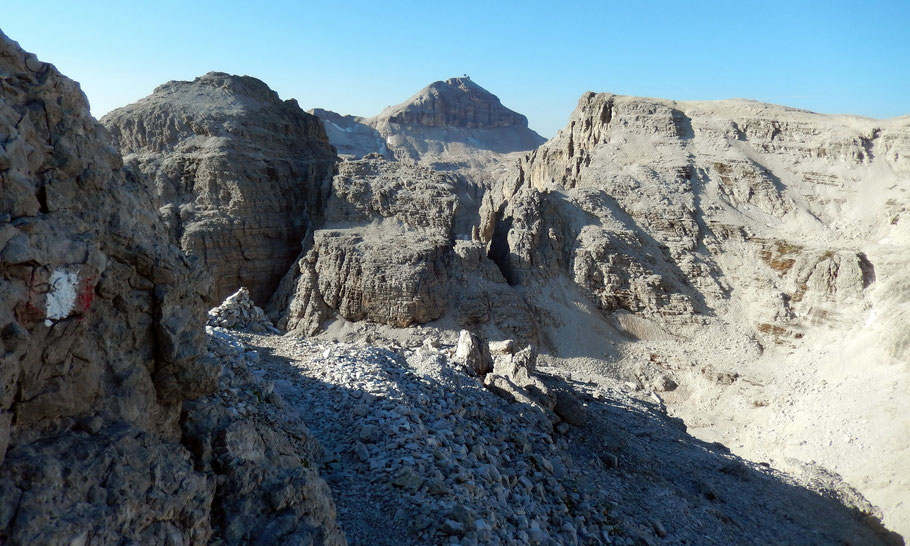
[456, 102]
[447, 124]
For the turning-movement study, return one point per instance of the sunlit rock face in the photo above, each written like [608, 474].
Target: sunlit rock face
[239, 174]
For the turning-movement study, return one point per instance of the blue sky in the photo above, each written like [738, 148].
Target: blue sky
[359, 57]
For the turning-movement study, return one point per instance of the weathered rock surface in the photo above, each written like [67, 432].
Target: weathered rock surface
[261, 456]
[101, 341]
[383, 254]
[768, 237]
[418, 452]
[100, 320]
[240, 175]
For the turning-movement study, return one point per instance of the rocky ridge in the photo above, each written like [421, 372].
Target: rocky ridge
[573, 302]
[769, 232]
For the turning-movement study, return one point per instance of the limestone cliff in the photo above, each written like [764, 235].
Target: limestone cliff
[239, 174]
[382, 254]
[732, 239]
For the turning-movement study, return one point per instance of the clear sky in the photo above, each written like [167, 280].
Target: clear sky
[539, 57]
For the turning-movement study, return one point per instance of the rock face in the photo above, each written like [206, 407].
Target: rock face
[383, 253]
[763, 234]
[101, 341]
[239, 174]
[101, 322]
[448, 124]
[729, 195]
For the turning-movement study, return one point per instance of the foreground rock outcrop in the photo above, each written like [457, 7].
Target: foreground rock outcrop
[239, 174]
[101, 341]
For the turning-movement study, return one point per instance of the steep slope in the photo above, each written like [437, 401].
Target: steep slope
[449, 124]
[102, 341]
[738, 243]
[238, 173]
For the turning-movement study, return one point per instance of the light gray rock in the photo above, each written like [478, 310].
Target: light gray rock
[240, 313]
[451, 123]
[383, 254]
[239, 174]
[470, 352]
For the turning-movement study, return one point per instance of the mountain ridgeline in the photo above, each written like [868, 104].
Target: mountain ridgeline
[674, 321]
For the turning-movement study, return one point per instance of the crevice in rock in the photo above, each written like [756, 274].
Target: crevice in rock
[867, 269]
[41, 196]
[499, 246]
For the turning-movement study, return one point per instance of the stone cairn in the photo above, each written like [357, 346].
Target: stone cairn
[238, 312]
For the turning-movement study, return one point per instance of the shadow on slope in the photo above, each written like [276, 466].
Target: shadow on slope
[629, 462]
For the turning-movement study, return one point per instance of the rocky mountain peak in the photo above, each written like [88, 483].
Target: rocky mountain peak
[456, 102]
[225, 84]
[448, 124]
[237, 171]
[215, 104]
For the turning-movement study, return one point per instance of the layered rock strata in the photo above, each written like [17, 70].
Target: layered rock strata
[769, 237]
[239, 174]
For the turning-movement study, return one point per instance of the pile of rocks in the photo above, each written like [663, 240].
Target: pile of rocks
[238, 312]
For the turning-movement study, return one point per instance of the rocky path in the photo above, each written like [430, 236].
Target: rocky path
[417, 451]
